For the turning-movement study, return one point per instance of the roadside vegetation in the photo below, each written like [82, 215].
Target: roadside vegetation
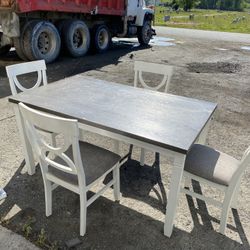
[230, 21]
[220, 15]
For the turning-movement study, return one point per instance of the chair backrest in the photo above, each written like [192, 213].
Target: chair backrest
[165, 70]
[24, 68]
[35, 121]
[244, 163]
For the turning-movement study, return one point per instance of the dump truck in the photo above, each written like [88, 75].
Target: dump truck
[40, 29]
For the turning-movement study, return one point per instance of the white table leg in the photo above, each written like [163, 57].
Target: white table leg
[175, 183]
[142, 158]
[27, 149]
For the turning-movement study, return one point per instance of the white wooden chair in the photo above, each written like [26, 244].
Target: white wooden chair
[218, 170]
[161, 69]
[13, 71]
[77, 166]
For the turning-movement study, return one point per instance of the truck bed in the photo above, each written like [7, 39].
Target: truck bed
[105, 7]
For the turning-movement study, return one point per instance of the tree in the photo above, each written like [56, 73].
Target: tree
[207, 4]
[175, 5]
[222, 4]
[238, 5]
[188, 4]
[230, 4]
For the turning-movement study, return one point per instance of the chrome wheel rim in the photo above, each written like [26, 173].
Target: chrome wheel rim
[44, 43]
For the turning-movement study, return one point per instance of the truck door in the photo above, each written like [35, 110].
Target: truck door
[132, 8]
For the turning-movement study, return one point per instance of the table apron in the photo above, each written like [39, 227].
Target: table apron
[127, 139]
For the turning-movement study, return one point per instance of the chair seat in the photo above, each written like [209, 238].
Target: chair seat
[96, 161]
[211, 164]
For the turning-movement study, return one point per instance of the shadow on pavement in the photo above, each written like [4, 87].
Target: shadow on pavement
[110, 225]
[67, 66]
[137, 183]
[207, 219]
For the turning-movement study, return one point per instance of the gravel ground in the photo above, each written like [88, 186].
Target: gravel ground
[202, 71]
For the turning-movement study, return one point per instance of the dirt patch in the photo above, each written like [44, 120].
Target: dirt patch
[217, 67]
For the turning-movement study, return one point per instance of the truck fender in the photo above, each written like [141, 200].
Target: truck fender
[144, 15]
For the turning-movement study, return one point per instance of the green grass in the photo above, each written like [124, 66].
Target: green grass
[206, 20]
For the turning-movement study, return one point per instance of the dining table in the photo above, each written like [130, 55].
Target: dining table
[160, 122]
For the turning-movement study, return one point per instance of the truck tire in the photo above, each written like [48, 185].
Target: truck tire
[19, 42]
[102, 38]
[4, 49]
[41, 41]
[76, 38]
[144, 33]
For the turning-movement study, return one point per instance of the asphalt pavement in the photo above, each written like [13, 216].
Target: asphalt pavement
[204, 34]
[12, 241]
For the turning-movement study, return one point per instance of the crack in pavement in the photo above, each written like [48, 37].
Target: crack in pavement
[7, 118]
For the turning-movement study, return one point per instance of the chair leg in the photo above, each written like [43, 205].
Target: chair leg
[27, 149]
[234, 202]
[83, 213]
[187, 182]
[53, 142]
[224, 212]
[116, 177]
[142, 159]
[48, 197]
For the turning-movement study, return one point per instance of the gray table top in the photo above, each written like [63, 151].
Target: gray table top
[169, 121]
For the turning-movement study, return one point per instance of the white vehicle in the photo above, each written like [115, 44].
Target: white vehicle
[39, 28]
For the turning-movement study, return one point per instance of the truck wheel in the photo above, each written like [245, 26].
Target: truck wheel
[42, 41]
[102, 38]
[145, 33]
[76, 38]
[4, 49]
[19, 42]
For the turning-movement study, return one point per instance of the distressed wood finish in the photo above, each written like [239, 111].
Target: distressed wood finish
[168, 121]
